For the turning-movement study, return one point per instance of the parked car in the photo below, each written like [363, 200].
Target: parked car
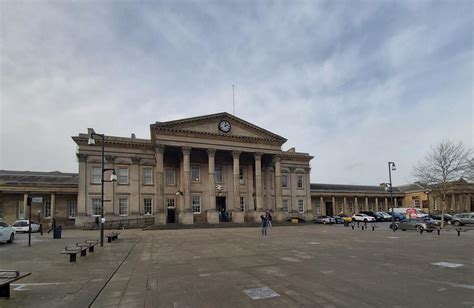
[345, 217]
[398, 216]
[362, 217]
[386, 216]
[447, 217]
[7, 233]
[338, 219]
[324, 220]
[417, 224]
[22, 226]
[462, 219]
[376, 215]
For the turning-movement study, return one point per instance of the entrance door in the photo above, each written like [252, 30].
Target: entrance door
[171, 206]
[221, 209]
[329, 211]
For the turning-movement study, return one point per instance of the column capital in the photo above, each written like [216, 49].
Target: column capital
[136, 160]
[257, 155]
[236, 154]
[109, 159]
[211, 152]
[81, 157]
[186, 150]
[292, 169]
[159, 148]
[277, 158]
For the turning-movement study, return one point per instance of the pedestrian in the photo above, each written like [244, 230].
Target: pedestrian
[269, 220]
[264, 219]
[53, 225]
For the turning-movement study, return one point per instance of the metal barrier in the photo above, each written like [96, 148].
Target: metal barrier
[121, 223]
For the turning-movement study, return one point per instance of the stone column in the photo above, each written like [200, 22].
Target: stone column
[468, 200]
[186, 216]
[268, 202]
[25, 201]
[258, 185]
[356, 206]
[334, 205]
[82, 210]
[212, 215]
[309, 215]
[280, 215]
[323, 206]
[53, 204]
[385, 205]
[160, 207]
[344, 206]
[376, 204]
[237, 215]
[395, 202]
[366, 203]
[135, 206]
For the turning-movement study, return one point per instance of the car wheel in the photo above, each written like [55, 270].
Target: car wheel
[393, 227]
[418, 229]
[429, 231]
[457, 223]
[365, 219]
[12, 238]
[404, 229]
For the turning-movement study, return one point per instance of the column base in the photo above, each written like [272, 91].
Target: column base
[281, 216]
[238, 217]
[309, 216]
[212, 217]
[160, 218]
[186, 217]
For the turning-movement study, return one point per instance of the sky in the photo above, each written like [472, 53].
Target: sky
[354, 83]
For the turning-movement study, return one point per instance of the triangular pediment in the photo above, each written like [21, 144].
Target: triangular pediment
[219, 124]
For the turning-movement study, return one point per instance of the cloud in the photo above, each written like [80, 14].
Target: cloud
[353, 87]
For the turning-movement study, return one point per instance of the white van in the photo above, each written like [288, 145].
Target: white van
[410, 212]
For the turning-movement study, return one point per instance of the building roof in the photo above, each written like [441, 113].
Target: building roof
[8, 177]
[417, 186]
[320, 187]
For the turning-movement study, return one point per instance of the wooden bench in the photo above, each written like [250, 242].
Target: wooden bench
[88, 244]
[7, 277]
[112, 236]
[73, 251]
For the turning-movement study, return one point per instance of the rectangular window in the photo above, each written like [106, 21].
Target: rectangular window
[123, 206]
[301, 206]
[300, 182]
[285, 205]
[148, 176]
[241, 176]
[318, 207]
[351, 207]
[122, 176]
[72, 208]
[95, 206]
[340, 207]
[284, 180]
[96, 175]
[196, 204]
[242, 203]
[171, 203]
[195, 173]
[170, 177]
[47, 209]
[148, 206]
[218, 175]
[416, 203]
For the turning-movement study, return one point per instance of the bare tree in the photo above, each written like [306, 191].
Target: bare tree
[445, 163]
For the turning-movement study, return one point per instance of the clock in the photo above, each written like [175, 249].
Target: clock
[224, 126]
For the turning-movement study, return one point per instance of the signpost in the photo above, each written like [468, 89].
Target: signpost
[29, 202]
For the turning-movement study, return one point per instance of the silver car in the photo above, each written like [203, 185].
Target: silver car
[325, 220]
[417, 224]
[7, 234]
[462, 219]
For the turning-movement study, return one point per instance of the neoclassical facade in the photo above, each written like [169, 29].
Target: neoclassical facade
[197, 170]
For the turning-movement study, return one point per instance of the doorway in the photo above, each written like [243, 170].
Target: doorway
[221, 209]
[171, 214]
[329, 211]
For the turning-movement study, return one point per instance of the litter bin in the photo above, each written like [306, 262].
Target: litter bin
[346, 223]
[57, 232]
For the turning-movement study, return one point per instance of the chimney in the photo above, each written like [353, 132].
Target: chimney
[133, 136]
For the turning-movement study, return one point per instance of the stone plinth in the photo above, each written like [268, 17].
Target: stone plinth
[238, 217]
[160, 218]
[212, 217]
[186, 217]
[281, 216]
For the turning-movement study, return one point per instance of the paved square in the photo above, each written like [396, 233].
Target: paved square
[311, 265]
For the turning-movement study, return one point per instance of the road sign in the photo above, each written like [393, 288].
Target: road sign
[37, 199]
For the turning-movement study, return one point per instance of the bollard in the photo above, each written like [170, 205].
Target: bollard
[421, 231]
[362, 227]
[437, 231]
[459, 232]
[352, 227]
[365, 224]
[373, 228]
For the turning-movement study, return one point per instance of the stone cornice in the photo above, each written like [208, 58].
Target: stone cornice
[81, 157]
[82, 139]
[186, 150]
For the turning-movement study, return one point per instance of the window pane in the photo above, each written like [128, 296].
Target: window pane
[96, 174]
[241, 176]
[195, 173]
[171, 203]
[242, 203]
[301, 206]
[218, 174]
[147, 206]
[72, 206]
[196, 204]
[300, 181]
[284, 180]
[96, 206]
[123, 175]
[148, 176]
[123, 206]
[47, 209]
[285, 205]
[170, 177]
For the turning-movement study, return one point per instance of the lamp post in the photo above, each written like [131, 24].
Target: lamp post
[113, 178]
[391, 167]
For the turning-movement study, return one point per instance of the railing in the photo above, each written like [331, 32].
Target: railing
[121, 223]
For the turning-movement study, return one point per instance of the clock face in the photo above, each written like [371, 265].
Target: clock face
[224, 126]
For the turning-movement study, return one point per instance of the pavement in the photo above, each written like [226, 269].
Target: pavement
[294, 266]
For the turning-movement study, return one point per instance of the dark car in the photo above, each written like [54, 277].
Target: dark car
[416, 224]
[376, 215]
[398, 216]
[447, 217]
[338, 219]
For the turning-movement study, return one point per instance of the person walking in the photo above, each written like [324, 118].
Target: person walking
[269, 220]
[53, 225]
[264, 219]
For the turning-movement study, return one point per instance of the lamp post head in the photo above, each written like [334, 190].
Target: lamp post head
[113, 176]
[90, 133]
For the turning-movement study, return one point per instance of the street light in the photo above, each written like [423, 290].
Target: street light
[391, 167]
[113, 178]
